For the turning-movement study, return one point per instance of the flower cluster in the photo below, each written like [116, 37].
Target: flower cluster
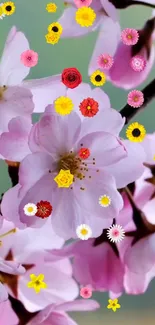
[73, 176]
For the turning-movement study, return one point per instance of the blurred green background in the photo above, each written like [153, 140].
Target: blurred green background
[32, 18]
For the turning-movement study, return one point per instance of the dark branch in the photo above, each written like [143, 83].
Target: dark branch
[149, 93]
[23, 315]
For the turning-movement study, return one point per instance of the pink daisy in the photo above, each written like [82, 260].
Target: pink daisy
[105, 61]
[138, 63]
[135, 98]
[86, 292]
[129, 36]
[82, 3]
[29, 58]
[115, 233]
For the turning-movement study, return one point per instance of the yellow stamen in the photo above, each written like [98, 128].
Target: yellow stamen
[8, 232]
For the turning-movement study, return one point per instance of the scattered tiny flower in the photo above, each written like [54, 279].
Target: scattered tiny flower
[84, 153]
[138, 63]
[89, 107]
[85, 16]
[8, 8]
[104, 201]
[56, 28]
[52, 38]
[105, 61]
[135, 132]
[82, 3]
[44, 209]
[71, 77]
[86, 292]
[113, 304]
[29, 58]
[154, 157]
[30, 209]
[51, 7]
[63, 105]
[135, 98]
[37, 282]
[98, 78]
[130, 36]
[64, 178]
[83, 232]
[115, 233]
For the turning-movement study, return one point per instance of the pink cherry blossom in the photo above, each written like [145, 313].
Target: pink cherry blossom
[22, 250]
[56, 314]
[82, 3]
[29, 58]
[105, 61]
[135, 98]
[129, 36]
[138, 63]
[8, 316]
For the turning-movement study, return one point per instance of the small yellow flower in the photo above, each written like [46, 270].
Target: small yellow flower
[37, 282]
[52, 38]
[85, 16]
[154, 157]
[8, 8]
[56, 28]
[51, 7]
[64, 178]
[135, 132]
[98, 78]
[113, 304]
[63, 105]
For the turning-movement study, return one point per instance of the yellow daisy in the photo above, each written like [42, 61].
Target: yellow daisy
[85, 16]
[52, 38]
[63, 105]
[51, 7]
[135, 132]
[113, 304]
[37, 282]
[8, 8]
[55, 28]
[98, 78]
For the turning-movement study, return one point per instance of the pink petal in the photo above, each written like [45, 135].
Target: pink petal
[14, 144]
[78, 305]
[3, 296]
[133, 163]
[136, 284]
[11, 267]
[45, 91]
[12, 71]
[8, 316]
[108, 31]
[110, 9]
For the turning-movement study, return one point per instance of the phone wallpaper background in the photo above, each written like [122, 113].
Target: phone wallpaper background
[32, 18]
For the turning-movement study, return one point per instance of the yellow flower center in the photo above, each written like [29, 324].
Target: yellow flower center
[30, 209]
[129, 36]
[104, 201]
[136, 99]
[84, 231]
[88, 107]
[64, 178]
[63, 105]
[2, 89]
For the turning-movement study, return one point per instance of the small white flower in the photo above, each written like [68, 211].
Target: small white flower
[115, 233]
[30, 209]
[84, 232]
[104, 201]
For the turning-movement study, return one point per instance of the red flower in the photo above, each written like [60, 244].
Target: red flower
[89, 107]
[84, 153]
[44, 209]
[71, 77]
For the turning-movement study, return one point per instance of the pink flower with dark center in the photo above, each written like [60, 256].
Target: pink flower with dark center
[86, 292]
[105, 61]
[135, 98]
[129, 36]
[29, 58]
[82, 3]
[138, 63]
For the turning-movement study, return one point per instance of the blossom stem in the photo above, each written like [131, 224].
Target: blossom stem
[149, 94]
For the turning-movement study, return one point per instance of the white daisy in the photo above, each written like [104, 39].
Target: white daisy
[104, 200]
[30, 209]
[2, 15]
[84, 232]
[115, 233]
